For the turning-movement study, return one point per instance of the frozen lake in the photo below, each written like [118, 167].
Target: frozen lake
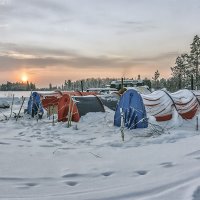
[17, 93]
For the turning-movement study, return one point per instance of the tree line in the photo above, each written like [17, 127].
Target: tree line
[83, 84]
[18, 86]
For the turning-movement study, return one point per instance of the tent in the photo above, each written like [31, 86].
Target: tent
[132, 107]
[161, 104]
[77, 106]
[86, 104]
[34, 105]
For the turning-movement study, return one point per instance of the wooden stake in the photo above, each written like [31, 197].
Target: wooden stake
[23, 99]
[197, 123]
[69, 112]
[11, 109]
[49, 112]
[81, 86]
[53, 123]
[122, 124]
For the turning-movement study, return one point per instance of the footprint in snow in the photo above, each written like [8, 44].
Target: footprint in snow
[72, 175]
[49, 140]
[22, 133]
[27, 185]
[31, 184]
[71, 183]
[167, 164]
[109, 173]
[141, 172]
[4, 143]
[196, 194]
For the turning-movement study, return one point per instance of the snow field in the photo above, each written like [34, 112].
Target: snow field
[41, 161]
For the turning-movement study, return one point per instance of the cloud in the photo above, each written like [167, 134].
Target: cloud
[137, 26]
[159, 57]
[13, 11]
[14, 57]
[35, 51]
[10, 63]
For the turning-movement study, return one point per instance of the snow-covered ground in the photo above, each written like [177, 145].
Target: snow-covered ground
[90, 161]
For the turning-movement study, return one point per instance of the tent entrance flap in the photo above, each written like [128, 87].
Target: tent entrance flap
[131, 104]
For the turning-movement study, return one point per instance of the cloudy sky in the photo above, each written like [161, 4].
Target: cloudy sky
[52, 41]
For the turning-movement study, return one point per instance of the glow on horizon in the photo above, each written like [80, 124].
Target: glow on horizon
[57, 76]
[24, 77]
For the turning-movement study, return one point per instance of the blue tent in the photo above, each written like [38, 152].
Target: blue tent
[35, 105]
[133, 109]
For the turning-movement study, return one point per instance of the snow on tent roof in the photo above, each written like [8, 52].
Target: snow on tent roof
[161, 104]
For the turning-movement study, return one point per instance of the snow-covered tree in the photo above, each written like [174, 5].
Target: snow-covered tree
[195, 58]
[181, 71]
[155, 79]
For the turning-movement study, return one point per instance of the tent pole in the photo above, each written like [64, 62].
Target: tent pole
[122, 83]
[122, 124]
[197, 123]
[82, 86]
[53, 123]
[68, 118]
[71, 113]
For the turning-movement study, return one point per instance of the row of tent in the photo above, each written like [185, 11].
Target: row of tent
[61, 103]
[77, 104]
[131, 108]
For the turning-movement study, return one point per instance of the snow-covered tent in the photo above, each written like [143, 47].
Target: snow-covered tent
[161, 104]
[132, 107]
[77, 106]
[34, 105]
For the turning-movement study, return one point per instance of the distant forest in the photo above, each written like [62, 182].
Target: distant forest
[185, 75]
[17, 86]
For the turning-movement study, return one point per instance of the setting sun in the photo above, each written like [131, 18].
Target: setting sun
[24, 78]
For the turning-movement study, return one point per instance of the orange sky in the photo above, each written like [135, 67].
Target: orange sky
[57, 75]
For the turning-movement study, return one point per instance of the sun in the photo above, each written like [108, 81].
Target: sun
[24, 78]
